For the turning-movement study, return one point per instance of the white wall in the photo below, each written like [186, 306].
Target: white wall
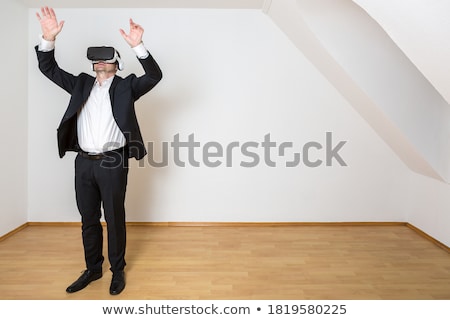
[13, 117]
[229, 75]
[342, 56]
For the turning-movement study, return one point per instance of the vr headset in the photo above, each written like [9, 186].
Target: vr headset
[104, 54]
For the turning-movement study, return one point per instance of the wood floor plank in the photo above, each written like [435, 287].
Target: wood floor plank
[248, 262]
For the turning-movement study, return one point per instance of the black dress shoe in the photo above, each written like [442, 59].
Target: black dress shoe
[117, 283]
[81, 283]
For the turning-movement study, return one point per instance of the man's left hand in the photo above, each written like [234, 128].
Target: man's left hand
[134, 37]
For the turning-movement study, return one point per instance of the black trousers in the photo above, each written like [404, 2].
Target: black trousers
[102, 182]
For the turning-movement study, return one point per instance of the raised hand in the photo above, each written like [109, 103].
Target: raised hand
[134, 38]
[49, 24]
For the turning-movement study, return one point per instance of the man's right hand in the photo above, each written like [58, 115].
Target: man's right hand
[49, 24]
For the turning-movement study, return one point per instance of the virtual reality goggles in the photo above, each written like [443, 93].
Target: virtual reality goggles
[104, 54]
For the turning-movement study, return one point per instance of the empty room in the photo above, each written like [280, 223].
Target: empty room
[269, 149]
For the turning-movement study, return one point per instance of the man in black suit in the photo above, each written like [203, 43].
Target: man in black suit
[100, 125]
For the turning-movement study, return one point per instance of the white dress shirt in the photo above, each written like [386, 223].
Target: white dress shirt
[96, 127]
[97, 130]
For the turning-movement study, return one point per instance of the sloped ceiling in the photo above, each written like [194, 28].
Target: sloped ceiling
[421, 29]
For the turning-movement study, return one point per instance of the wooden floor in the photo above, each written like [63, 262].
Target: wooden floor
[270, 263]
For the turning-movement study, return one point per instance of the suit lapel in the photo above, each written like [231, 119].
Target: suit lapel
[112, 89]
[88, 88]
[78, 100]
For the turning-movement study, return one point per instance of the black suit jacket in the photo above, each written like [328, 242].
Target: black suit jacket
[123, 93]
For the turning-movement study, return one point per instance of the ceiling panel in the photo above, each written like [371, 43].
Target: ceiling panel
[421, 29]
[219, 4]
